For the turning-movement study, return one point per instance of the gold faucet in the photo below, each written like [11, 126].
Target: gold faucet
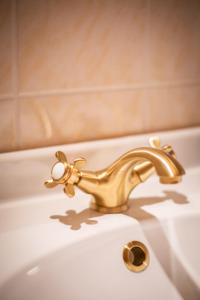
[112, 186]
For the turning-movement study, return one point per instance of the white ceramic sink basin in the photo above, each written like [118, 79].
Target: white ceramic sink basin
[53, 247]
[186, 240]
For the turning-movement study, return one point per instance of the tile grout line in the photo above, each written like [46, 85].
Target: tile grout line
[15, 85]
[7, 97]
[147, 105]
[151, 85]
[101, 89]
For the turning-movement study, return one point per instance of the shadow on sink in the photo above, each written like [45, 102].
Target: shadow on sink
[154, 234]
[161, 245]
[74, 219]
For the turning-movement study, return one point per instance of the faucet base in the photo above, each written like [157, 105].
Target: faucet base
[108, 210]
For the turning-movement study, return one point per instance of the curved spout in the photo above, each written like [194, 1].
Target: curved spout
[166, 166]
[112, 186]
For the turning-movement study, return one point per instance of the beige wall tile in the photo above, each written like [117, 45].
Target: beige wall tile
[173, 108]
[7, 125]
[77, 44]
[72, 118]
[5, 48]
[175, 40]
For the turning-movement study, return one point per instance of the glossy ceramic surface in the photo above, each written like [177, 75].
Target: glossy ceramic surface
[53, 247]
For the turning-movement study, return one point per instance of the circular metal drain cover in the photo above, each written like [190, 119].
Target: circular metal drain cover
[136, 256]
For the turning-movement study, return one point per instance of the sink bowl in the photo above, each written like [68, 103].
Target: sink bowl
[53, 247]
[94, 267]
[186, 240]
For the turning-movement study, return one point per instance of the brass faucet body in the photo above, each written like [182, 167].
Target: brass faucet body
[110, 188]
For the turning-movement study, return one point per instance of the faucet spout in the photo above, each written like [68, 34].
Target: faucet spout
[111, 187]
[166, 166]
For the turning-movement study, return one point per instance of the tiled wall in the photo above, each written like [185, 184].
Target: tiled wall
[73, 70]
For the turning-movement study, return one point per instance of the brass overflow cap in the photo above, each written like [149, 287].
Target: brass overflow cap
[136, 256]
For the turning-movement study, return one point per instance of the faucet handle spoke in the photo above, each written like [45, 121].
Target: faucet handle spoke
[79, 162]
[61, 157]
[154, 142]
[50, 183]
[64, 172]
[69, 190]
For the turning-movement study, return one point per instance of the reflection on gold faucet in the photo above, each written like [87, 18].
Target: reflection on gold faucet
[112, 186]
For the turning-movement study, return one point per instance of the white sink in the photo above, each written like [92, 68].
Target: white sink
[47, 253]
